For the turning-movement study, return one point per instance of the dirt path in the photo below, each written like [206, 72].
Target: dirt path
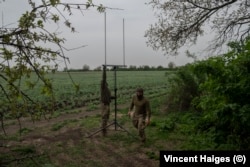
[12, 126]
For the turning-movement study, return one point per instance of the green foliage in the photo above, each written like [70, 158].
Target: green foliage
[183, 88]
[226, 106]
[167, 125]
[180, 128]
[219, 89]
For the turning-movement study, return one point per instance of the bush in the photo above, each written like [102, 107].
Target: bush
[183, 88]
[219, 88]
[225, 102]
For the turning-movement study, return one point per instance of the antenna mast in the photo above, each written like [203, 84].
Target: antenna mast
[105, 39]
[123, 44]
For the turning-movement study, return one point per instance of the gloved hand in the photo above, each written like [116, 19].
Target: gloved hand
[130, 114]
[147, 122]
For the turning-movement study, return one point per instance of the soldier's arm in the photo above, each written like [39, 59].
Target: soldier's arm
[131, 104]
[131, 107]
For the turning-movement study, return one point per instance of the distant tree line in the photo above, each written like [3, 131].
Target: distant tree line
[171, 66]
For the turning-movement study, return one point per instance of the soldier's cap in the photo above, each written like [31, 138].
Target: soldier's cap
[139, 90]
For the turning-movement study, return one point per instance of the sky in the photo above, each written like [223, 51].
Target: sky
[90, 27]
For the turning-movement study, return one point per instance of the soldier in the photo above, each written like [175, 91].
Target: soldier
[105, 102]
[141, 114]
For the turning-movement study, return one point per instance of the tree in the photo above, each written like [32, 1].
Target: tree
[85, 67]
[183, 21]
[145, 67]
[132, 67]
[31, 47]
[159, 67]
[99, 68]
[171, 65]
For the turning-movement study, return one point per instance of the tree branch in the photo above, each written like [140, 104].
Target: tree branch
[215, 8]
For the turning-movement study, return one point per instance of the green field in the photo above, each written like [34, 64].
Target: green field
[126, 82]
[66, 97]
[154, 83]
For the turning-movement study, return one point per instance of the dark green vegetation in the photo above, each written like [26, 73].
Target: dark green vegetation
[217, 89]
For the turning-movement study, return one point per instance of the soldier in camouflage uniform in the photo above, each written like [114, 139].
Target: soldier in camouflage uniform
[105, 102]
[140, 113]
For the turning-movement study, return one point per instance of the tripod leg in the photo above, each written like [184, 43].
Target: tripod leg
[100, 130]
[104, 129]
[125, 130]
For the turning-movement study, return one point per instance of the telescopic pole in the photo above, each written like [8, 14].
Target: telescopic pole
[105, 40]
[115, 89]
[123, 43]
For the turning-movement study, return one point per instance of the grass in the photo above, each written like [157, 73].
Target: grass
[91, 123]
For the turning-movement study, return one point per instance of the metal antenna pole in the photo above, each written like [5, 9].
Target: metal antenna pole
[105, 39]
[2, 20]
[123, 44]
[115, 89]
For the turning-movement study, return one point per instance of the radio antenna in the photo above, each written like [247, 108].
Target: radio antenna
[123, 43]
[105, 40]
[115, 67]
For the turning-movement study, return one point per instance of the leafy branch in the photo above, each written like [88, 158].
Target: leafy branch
[32, 48]
[182, 22]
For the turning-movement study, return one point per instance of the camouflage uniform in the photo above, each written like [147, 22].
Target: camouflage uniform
[141, 112]
[105, 102]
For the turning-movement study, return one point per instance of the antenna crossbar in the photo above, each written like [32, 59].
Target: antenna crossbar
[112, 65]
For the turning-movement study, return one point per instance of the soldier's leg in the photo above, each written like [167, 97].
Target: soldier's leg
[141, 127]
[135, 121]
[105, 117]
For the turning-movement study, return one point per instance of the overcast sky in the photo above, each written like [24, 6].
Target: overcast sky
[91, 32]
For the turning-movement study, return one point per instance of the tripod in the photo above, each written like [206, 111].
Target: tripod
[115, 123]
